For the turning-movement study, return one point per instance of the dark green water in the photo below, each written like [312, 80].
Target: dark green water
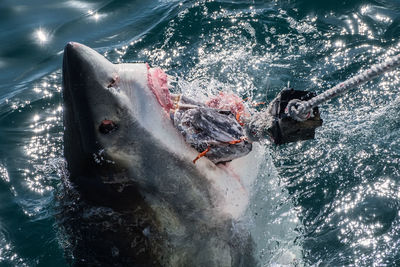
[332, 201]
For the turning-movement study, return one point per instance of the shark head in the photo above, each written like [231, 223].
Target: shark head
[117, 127]
[107, 108]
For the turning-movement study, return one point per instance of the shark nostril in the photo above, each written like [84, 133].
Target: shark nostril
[107, 126]
[114, 80]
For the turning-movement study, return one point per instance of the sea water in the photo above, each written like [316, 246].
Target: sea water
[326, 202]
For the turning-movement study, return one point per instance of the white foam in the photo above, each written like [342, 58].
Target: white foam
[272, 219]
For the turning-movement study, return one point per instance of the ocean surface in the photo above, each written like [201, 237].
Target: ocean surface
[331, 201]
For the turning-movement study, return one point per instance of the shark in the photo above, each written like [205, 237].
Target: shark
[136, 198]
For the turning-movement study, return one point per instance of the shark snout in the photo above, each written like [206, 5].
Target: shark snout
[70, 45]
[74, 55]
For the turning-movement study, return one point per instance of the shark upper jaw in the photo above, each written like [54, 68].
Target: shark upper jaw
[94, 91]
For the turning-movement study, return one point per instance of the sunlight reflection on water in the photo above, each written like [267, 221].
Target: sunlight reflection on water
[343, 185]
[42, 36]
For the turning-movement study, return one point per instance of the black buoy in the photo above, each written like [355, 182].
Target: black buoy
[283, 128]
[276, 123]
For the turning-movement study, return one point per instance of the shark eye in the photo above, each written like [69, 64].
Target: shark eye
[107, 126]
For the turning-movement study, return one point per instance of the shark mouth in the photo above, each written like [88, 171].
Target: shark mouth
[157, 81]
[213, 128]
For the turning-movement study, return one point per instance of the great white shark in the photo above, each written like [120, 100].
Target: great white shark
[139, 198]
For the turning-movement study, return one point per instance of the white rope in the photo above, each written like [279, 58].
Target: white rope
[300, 110]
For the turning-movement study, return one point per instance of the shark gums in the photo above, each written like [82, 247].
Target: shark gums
[133, 196]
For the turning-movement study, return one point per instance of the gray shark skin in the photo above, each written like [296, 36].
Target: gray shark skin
[135, 198]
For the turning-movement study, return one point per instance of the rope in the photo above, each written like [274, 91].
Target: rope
[301, 110]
